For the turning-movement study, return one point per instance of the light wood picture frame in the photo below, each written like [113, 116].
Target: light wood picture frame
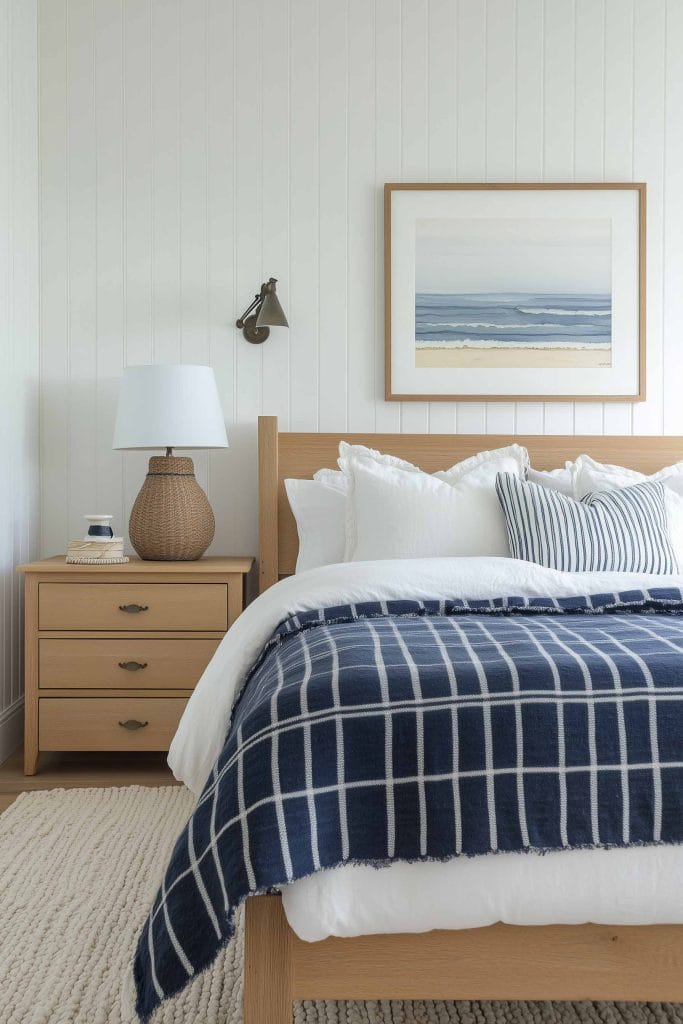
[515, 292]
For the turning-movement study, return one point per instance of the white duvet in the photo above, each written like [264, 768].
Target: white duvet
[631, 886]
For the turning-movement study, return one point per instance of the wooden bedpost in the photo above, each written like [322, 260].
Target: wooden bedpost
[267, 962]
[268, 497]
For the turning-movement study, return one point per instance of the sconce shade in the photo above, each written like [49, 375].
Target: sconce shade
[271, 313]
[262, 313]
[169, 406]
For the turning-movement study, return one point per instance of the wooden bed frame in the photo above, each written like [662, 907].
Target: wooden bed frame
[499, 962]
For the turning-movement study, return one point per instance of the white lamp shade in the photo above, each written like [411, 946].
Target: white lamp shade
[169, 407]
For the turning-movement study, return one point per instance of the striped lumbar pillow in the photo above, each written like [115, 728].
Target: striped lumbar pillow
[610, 531]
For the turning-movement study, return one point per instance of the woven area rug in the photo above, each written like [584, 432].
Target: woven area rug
[78, 870]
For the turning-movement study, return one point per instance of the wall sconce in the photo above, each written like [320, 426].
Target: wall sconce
[263, 313]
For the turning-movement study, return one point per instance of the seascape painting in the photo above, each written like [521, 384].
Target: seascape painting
[513, 293]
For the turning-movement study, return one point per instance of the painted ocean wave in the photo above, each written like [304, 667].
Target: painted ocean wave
[568, 312]
[494, 319]
[597, 344]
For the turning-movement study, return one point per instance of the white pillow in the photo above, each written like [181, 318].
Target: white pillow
[589, 475]
[320, 514]
[336, 478]
[554, 479]
[393, 512]
[458, 470]
[333, 478]
[349, 451]
[319, 505]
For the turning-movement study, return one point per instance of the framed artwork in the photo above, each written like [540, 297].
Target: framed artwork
[515, 292]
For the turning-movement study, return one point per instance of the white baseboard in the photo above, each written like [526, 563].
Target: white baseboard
[11, 728]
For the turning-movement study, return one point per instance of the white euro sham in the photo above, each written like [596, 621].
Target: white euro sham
[394, 510]
[553, 479]
[589, 476]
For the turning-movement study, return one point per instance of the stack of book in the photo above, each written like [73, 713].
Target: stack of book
[96, 552]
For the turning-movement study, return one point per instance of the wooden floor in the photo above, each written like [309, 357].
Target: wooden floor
[77, 770]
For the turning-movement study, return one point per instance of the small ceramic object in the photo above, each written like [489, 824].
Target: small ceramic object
[99, 527]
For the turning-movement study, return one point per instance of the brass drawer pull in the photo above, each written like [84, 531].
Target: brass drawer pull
[132, 666]
[132, 724]
[133, 609]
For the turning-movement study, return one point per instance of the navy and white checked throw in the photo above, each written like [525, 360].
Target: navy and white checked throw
[415, 730]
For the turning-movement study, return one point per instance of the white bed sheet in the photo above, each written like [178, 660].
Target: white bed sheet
[634, 886]
[637, 885]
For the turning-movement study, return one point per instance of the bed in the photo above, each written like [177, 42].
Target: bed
[497, 961]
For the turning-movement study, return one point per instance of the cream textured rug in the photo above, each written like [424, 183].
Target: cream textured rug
[78, 871]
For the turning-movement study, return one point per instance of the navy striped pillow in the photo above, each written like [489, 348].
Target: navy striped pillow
[613, 531]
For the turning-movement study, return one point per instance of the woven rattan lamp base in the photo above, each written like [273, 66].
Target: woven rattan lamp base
[172, 520]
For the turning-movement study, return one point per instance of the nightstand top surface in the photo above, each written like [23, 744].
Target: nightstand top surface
[213, 564]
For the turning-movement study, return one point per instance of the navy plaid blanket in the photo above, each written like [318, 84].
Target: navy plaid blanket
[413, 730]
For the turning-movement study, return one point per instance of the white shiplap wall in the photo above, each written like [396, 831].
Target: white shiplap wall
[191, 148]
[19, 477]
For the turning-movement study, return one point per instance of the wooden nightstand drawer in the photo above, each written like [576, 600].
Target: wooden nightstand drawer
[143, 606]
[120, 643]
[124, 664]
[94, 723]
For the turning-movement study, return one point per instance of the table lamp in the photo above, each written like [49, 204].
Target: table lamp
[170, 407]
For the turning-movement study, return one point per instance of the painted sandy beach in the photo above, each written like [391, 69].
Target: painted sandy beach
[509, 358]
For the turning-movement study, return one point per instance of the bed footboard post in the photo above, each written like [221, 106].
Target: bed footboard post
[267, 962]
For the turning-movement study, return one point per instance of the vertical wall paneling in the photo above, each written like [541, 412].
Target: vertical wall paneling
[248, 55]
[471, 76]
[500, 138]
[139, 272]
[387, 168]
[109, 252]
[361, 205]
[275, 189]
[589, 127]
[528, 114]
[221, 301]
[414, 136]
[190, 149]
[672, 295]
[304, 207]
[6, 317]
[81, 262]
[529, 91]
[618, 106]
[54, 285]
[589, 84]
[648, 165]
[441, 140]
[333, 161]
[169, 84]
[19, 350]
[558, 136]
[193, 169]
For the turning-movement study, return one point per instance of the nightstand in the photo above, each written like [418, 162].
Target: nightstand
[113, 652]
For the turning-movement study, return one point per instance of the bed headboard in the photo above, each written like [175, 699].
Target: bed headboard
[300, 455]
